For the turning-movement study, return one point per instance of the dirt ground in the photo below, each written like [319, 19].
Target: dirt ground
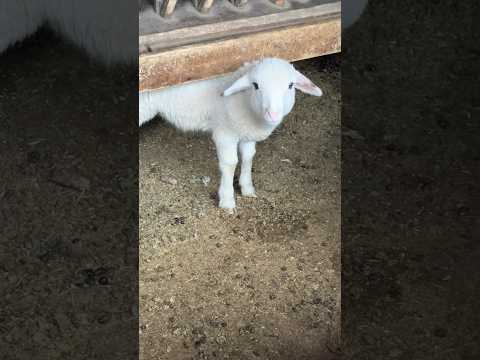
[263, 283]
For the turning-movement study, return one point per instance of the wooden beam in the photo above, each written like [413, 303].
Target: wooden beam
[206, 60]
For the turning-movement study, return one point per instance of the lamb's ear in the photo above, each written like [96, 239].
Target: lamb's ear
[305, 85]
[240, 85]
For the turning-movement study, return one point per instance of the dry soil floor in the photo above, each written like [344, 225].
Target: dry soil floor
[263, 283]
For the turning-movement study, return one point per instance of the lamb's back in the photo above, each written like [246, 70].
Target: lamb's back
[200, 106]
[194, 106]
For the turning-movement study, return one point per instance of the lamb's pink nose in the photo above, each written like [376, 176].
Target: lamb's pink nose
[273, 115]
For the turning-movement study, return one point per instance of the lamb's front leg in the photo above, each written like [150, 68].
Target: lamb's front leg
[226, 145]
[247, 151]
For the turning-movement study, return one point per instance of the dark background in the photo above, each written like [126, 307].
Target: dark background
[410, 112]
[68, 204]
[68, 188]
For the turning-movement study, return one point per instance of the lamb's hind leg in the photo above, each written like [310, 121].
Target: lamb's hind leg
[226, 145]
[247, 152]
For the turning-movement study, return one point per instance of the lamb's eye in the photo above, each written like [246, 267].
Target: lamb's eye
[290, 85]
[255, 85]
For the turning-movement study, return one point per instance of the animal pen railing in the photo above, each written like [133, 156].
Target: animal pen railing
[187, 40]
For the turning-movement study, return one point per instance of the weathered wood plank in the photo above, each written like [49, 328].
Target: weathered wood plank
[210, 32]
[205, 60]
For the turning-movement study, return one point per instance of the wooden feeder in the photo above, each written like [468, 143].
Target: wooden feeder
[188, 40]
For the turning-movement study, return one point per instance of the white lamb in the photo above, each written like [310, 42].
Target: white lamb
[239, 109]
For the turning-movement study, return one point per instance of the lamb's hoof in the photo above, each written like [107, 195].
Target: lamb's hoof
[227, 205]
[230, 211]
[249, 192]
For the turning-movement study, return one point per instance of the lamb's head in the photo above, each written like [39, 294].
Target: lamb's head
[271, 84]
